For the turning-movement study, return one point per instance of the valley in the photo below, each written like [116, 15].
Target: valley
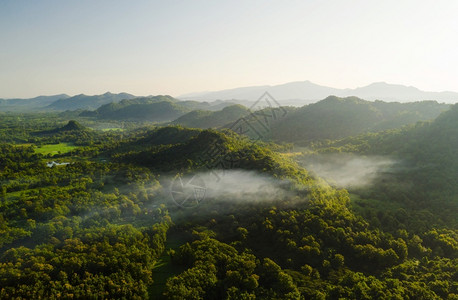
[344, 198]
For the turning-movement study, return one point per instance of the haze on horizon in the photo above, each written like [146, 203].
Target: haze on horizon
[177, 47]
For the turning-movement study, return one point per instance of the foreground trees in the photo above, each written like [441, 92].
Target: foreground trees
[97, 228]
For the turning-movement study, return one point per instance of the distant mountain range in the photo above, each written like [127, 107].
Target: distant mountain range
[153, 108]
[304, 92]
[107, 102]
[336, 118]
[293, 94]
[62, 102]
[211, 119]
[29, 104]
[88, 102]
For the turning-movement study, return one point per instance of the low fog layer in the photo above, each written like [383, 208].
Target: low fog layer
[228, 185]
[243, 185]
[348, 170]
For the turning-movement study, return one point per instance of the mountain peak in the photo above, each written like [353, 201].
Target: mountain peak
[72, 125]
[88, 102]
[379, 83]
[349, 99]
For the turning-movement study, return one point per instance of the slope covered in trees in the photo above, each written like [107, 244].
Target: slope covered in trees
[335, 118]
[427, 154]
[312, 241]
[153, 109]
[87, 102]
[81, 230]
[212, 119]
[29, 104]
[99, 226]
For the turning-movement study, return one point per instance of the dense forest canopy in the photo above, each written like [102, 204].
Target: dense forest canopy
[87, 207]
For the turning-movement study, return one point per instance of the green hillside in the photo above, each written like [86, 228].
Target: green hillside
[427, 154]
[208, 119]
[104, 224]
[165, 109]
[189, 153]
[29, 104]
[336, 118]
[158, 109]
[82, 101]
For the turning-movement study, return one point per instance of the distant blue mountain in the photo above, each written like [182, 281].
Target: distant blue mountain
[29, 104]
[85, 102]
[305, 92]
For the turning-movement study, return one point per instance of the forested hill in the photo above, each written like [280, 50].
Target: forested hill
[212, 119]
[434, 148]
[29, 104]
[155, 109]
[175, 148]
[72, 126]
[335, 118]
[102, 223]
[158, 109]
[87, 102]
[428, 163]
[314, 240]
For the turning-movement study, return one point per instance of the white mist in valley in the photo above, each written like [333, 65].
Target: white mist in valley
[347, 170]
[243, 185]
[235, 185]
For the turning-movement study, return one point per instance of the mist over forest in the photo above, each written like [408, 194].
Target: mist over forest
[232, 150]
[160, 198]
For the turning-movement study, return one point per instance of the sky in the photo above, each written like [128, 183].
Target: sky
[175, 47]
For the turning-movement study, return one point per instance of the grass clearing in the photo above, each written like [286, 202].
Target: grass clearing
[55, 148]
[164, 269]
[113, 129]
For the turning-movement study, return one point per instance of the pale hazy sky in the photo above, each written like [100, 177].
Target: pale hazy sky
[175, 47]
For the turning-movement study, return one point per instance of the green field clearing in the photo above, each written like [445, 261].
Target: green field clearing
[164, 268]
[113, 129]
[55, 148]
